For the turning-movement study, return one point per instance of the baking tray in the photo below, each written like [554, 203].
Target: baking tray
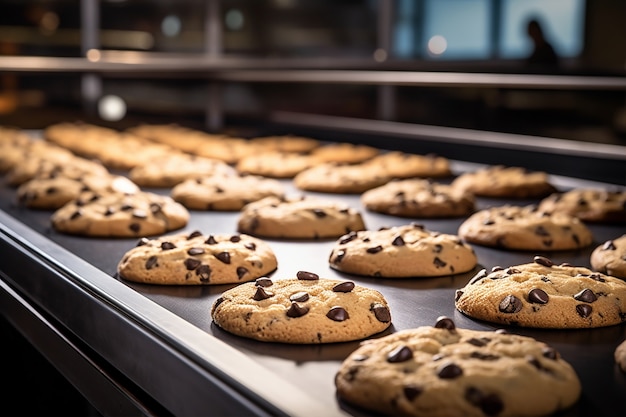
[413, 302]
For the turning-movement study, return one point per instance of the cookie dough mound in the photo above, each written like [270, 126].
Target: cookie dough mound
[299, 218]
[302, 310]
[120, 215]
[589, 205]
[506, 182]
[525, 228]
[610, 257]
[544, 295]
[418, 198]
[445, 371]
[401, 252]
[225, 192]
[197, 259]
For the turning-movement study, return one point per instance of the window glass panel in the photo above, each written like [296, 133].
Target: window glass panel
[457, 29]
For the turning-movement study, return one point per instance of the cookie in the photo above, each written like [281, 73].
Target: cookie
[525, 228]
[418, 198]
[448, 371]
[276, 164]
[544, 295]
[285, 143]
[505, 182]
[197, 259]
[406, 165]
[620, 356]
[303, 217]
[341, 179]
[53, 167]
[170, 170]
[344, 153]
[52, 193]
[610, 257]
[196, 142]
[401, 252]
[589, 205]
[120, 215]
[302, 310]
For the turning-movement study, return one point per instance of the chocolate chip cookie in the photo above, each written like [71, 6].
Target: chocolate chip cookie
[197, 259]
[120, 215]
[306, 309]
[340, 178]
[418, 198]
[448, 371]
[276, 164]
[225, 192]
[407, 165]
[294, 217]
[506, 182]
[285, 143]
[620, 356]
[344, 153]
[610, 257]
[544, 295]
[401, 252]
[525, 228]
[589, 205]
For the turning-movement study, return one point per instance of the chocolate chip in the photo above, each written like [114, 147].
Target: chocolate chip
[261, 294]
[597, 277]
[250, 245]
[542, 260]
[337, 314]
[194, 234]
[345, 286]
[143, 241]
[480, 275]
[550, 353]
[399, 354]
[449, 371]
[76, 215]
[411, 392]
[584, 310]
[192, 264]
[109, 211]
[340, 255]
[478, 342]
[155, 208]
[126, 207]
[538, 296]
[299, 297]
[438, 262]
[241, 271]
[374, 249]
[609, 245]
[297, 311]
[135, 227]
[319, 213]
[458, 294]
[210, 240]
[224, 257]
[204, 272]
[586, 296]
[235, 238]
[490, 404]
[381, 313]
[263, 282]
[167, 246]
[307, 276]
[151, 262]
[195, 251]
[484, 356]
[510, 304]
[398, 241]
[444, 322]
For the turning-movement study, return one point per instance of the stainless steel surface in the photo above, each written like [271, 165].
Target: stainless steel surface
[273, 71]
[164, 340]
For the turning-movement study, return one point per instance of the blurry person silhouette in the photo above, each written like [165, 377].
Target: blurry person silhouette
[543, 56]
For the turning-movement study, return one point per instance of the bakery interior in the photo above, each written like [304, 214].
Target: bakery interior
[446, 77]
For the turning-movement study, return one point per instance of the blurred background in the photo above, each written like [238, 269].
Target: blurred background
[182, 41]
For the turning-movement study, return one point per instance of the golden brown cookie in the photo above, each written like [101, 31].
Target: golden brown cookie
[544, 295]
[225, 192]
[610, 257]
[401, 252]
[285, 143]
[418, 198]
[506, 182]
[447, 371]
[406, 165]
[620, 356]
[344, 153]
[275, 164]
[169, 170]
[295, 217]
[197, 259]
[589, 205]
[525, 228]
[306, 309]
[341, 179]
[120, 215]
